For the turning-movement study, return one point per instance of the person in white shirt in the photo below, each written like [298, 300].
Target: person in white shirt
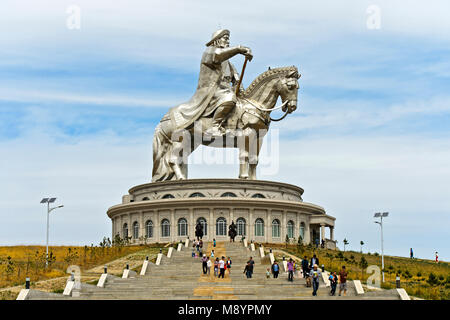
[222, 267]
[208, 266]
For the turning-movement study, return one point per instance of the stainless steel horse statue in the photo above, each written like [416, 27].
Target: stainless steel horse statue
[246, 126]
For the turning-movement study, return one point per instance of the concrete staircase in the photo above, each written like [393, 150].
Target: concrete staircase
[181, 277]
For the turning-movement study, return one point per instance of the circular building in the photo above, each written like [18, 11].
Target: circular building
[263, 211]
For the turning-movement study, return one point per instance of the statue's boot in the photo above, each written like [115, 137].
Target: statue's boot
[219, 118]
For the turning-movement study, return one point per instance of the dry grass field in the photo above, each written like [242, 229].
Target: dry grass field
[420, 278]
[19, 262]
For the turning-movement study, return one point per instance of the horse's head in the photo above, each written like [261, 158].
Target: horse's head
[288, 89]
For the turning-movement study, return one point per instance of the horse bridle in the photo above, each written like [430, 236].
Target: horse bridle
[256, 105]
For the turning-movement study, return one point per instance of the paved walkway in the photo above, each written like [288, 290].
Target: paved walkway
[181, 277]
[206, 287]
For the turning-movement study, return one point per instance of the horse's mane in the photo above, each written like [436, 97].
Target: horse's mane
[267, 75]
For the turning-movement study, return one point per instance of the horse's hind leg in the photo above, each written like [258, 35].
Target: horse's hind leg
[178, 160]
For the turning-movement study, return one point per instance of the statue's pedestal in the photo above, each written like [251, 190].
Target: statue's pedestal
[264, 211]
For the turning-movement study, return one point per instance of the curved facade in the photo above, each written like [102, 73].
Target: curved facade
[264, 211]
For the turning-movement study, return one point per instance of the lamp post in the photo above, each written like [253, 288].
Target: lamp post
[48, 201]
[381, 216]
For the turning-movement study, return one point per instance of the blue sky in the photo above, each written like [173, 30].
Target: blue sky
[78, 109]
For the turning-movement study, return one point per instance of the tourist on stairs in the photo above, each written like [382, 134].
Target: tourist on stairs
[228, 265]
[222, 267]
[275, 269]
[204, 264]
[290, 266]
[315, 274]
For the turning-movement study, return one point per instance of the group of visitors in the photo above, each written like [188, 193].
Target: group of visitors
[220, 266]
[310, 270]
[307, 265]
[197, 248]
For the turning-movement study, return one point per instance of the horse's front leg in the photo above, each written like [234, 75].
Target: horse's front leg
[243, 163]
[253, 146]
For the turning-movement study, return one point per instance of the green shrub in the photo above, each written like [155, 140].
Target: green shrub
[432, 279]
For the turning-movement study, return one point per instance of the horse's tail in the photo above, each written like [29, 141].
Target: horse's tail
[162, 149]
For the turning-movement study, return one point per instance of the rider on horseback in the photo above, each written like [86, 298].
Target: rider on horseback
[215, 95]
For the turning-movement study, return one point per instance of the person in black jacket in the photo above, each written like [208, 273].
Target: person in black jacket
[305, 267]
[314, 260]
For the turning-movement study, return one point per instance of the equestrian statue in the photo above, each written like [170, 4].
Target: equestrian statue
[221, 113]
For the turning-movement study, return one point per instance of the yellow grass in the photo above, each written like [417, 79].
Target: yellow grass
[414, 273]
[19, 262]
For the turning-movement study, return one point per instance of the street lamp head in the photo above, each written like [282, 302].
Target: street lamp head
[376, 215]
[60, 206]
[385, 214]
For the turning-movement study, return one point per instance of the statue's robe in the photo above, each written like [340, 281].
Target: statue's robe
[213, 89]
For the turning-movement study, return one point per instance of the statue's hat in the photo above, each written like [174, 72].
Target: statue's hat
[217, 35]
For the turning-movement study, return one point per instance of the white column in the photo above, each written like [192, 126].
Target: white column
[283, 227]
[173, 225]
[231, 216]
[128, 219]
[322, 232]
[157, 227]
[211, 225]
[141, 225]
[250, 226]
[191, 224]
[331, 233]
[121, 227]
[307, 232]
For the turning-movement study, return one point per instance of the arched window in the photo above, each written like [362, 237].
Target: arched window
[259, 227]
[197, 194]
[240, 222]
[165, 228]
[290, 229]
[221, 227]
[182, 227]
[145, 199]
[229, 194]
[168, 196]
[302, 231]
[125, 231]
[203, 222]
[258, 195]
[275, 228]
[149, 229]
[135, 230]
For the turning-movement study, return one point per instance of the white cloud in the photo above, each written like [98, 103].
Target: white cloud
[108, 99]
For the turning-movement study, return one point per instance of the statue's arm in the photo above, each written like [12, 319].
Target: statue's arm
[235, 74]
[223, 54]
